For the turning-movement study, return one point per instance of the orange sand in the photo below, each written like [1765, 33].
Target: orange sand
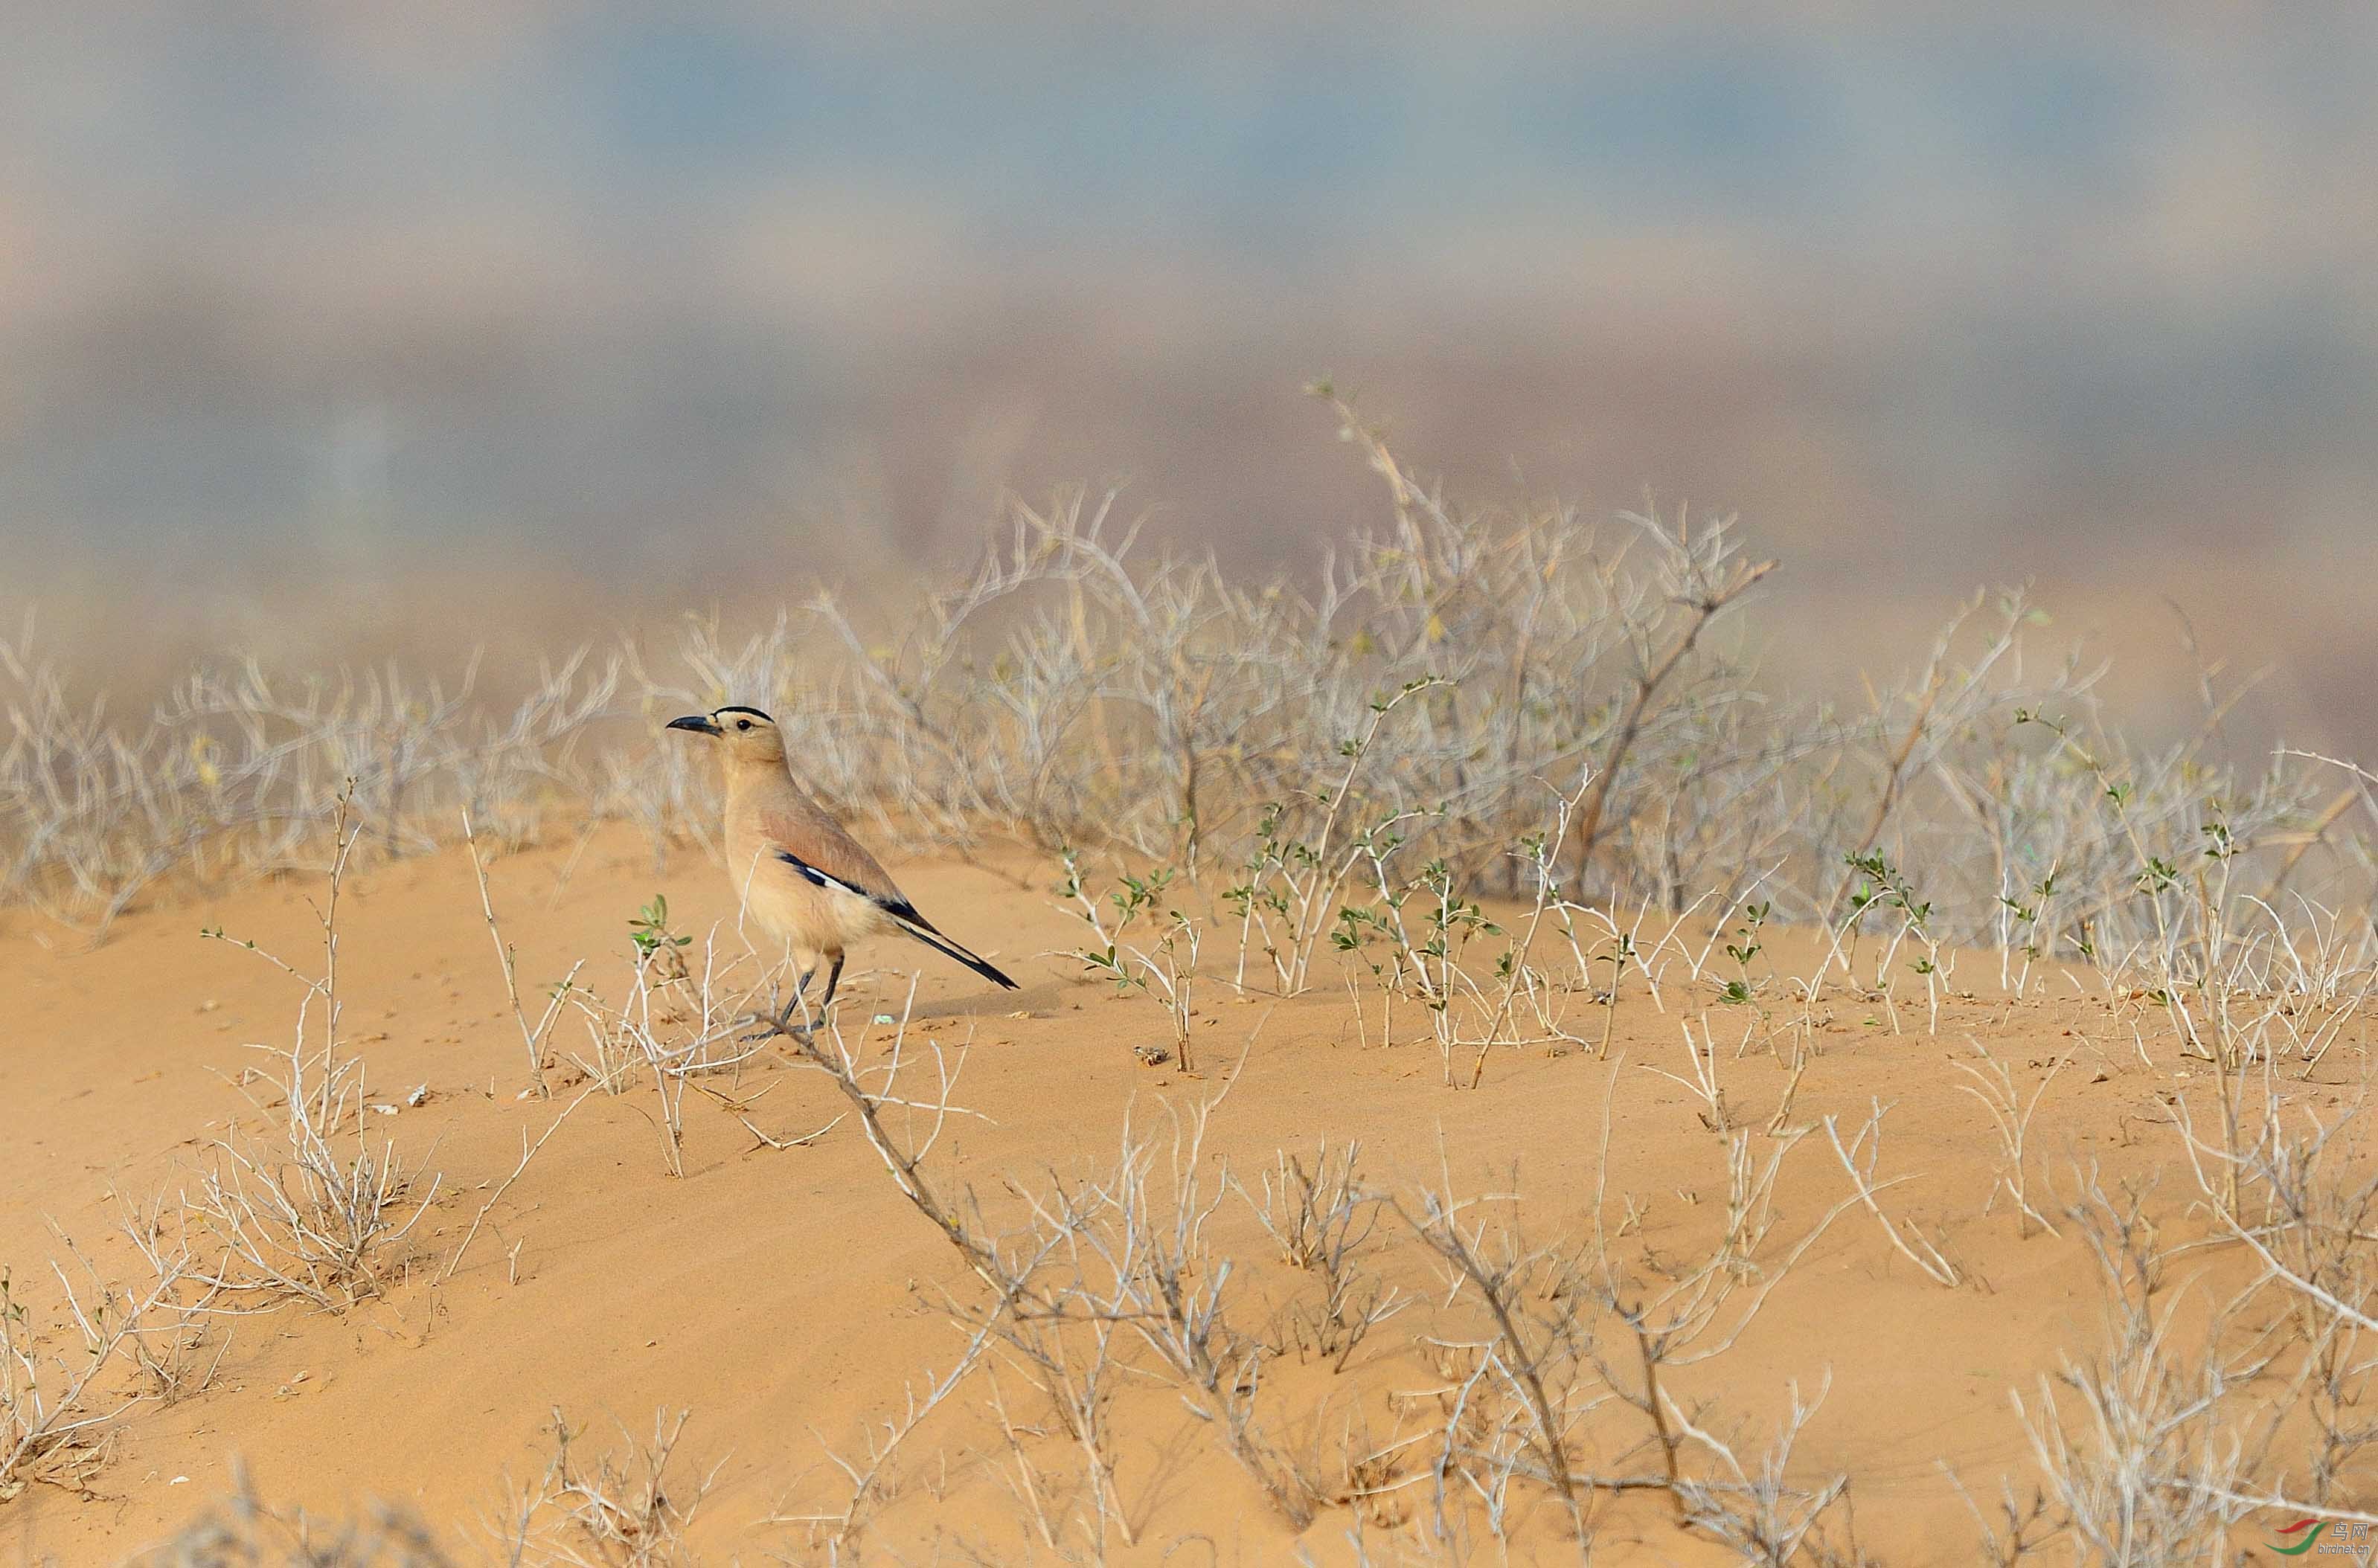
[788, 1296]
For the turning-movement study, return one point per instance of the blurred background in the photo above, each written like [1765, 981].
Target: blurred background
[328, 332]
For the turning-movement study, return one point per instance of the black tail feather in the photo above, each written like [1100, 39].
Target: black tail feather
[943, 945]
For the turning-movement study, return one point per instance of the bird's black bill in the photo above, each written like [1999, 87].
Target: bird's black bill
[698, 722]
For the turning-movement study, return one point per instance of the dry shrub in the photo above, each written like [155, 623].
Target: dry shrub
[1077, 689]
[244, 1532]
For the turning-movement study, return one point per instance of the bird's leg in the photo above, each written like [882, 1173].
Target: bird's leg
[832, 978]
[801, 989]
[781, 1023]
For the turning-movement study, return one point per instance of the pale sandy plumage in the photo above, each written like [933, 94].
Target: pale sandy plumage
[800, 877]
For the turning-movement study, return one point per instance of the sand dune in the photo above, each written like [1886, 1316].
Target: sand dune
[788, 1298]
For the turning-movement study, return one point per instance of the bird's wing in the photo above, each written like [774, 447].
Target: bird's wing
[816, 847]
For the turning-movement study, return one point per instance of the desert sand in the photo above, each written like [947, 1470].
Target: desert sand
[789, 1299]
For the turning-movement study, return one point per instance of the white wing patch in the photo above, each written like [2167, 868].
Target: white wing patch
[902, 913]
[824, 879]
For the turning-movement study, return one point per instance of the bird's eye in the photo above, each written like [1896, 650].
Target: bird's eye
[743, 723]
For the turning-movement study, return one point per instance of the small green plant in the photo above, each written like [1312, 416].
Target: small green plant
[1357, 929]
[1273, 870]
[1161, 963]
[1424, 925]
[2023, 928]
[1623, 952]
[1885, 888]
[1745, 947]
[650, 930]
[1292, 881]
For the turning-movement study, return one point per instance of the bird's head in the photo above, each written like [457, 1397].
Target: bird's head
[749, 737]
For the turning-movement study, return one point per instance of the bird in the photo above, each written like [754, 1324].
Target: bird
[800, 874]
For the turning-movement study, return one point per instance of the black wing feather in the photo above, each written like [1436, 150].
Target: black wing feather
[901, 910]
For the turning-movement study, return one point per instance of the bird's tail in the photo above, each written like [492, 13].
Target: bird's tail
[943, 945]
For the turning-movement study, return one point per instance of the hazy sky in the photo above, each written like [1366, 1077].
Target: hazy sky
[2072, 291]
